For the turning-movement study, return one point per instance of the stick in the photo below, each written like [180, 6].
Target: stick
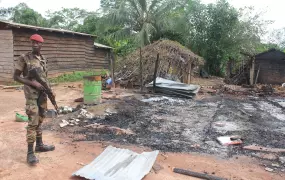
[141, 77]
[264, 149]
[195, 174]
[155, 72]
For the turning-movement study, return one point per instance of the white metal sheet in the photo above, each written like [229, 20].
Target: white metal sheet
[118, 164]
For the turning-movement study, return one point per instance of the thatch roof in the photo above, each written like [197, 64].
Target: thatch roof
[170, 51]
[172, 55]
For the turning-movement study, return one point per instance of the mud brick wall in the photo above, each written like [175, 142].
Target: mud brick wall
[272, 67]
[65, 52]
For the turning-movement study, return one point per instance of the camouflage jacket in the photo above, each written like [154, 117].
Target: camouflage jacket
[25, 63]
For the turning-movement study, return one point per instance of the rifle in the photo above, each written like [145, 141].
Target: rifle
[35, 74]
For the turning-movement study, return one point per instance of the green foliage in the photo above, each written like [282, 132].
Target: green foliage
[140, 19]
[215, 31]
[66, 18]
[25, 15]
[76, 76]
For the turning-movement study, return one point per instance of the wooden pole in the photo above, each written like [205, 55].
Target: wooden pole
[155, 72]
[190, 75]
[195, 174]
[257, 76]
[112, 56]
[252, 71]
[141, 76]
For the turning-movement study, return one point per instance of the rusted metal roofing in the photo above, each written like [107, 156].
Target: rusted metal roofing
[118, 164]
[37, 28]
[102, 46]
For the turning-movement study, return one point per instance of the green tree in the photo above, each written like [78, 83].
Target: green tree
[219, 31]
[66, 18]
[25, 15]
[141, 19]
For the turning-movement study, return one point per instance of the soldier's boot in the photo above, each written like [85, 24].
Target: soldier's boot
[31, 158]
[40, 147]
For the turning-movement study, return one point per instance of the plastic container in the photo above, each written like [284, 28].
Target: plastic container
[92, 90]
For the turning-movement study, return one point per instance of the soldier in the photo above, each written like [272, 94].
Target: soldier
[36, 102]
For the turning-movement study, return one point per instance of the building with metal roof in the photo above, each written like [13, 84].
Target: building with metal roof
[66, 51]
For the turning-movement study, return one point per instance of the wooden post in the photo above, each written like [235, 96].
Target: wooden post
[252, 71]
[189, 73]
[155, 72]
[257, 75]
[141, 76]
[112, 56]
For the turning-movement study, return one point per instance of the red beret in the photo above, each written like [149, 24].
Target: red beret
[37, 37]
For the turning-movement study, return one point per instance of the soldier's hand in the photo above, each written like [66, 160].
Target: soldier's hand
[38, 86]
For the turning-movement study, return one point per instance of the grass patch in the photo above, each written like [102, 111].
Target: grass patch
[76, 76]
[69, 77]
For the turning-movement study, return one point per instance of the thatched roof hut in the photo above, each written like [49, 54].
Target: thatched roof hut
[175, 60]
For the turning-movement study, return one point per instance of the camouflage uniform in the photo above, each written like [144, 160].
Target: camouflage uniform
[36, 102]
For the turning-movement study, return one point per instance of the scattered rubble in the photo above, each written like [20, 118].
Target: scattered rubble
[65, 110]
[275, 165]
[64, 123]
[282, 160]
[270, 156]
[269, 169]
[84, 114]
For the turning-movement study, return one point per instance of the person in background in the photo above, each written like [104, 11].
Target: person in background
[106, 82]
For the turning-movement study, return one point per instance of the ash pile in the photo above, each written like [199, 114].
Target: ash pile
[180, 125]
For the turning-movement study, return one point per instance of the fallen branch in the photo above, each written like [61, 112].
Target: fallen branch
[264, 149]
[195, 174]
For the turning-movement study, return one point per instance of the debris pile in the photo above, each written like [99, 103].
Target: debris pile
[81, 115]
[175, 61]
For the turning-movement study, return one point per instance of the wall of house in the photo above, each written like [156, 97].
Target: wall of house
[65, 52]
[6, 54]
[272, 67]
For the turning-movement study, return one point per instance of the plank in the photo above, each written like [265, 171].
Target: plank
[51, 49]
[6, 59]
[6, 33]
[48, 44]
[5, 45]
[49, 39]
[6, 55]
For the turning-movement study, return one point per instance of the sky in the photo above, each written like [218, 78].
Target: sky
[274, 8]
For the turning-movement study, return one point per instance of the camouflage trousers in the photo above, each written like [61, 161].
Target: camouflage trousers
[35, 110]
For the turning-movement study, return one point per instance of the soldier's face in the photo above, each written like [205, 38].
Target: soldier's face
[36, 46]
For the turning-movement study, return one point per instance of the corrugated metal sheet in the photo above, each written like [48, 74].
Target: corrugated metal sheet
[119, 164]
[102, 46]
[174, 88]
[17, 25]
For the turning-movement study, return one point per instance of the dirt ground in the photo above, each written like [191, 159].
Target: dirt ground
[69, 155]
